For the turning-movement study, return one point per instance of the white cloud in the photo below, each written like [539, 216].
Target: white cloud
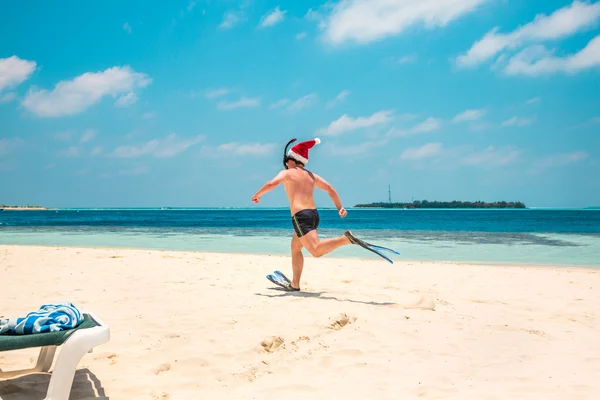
[366, 21]
[469, 115]
[407, 59]
[279, 103]
[346, 123]
[231, 19]
[243, 102]
[533, 100]
[479, 126]
[429, 125]
[126, 100]
[167, 147]
[537, 60]
[127, 28]
[591, 121]
[561, 23]
[418, 153]
[63, 136]
[303, 102]
[438, 156]
[338, 99]
[14, 71]
[559, 160]
[214, 93]
[148, 115]
[72, 151]
[299, 104]
[272, 18]
[518, 121]
[493, 157]
[97, 150]
[247, 149]
[76, 95]
[87, 136]
[301, 35]
[234, 17]
[313, 15]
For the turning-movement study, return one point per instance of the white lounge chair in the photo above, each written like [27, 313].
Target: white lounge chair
[74, 344]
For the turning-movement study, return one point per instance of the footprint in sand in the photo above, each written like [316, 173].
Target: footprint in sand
[536, 332]
[162, 368]
[101, 356]
[272, 344]
[416, 301]
[341, 321]
[172, 335]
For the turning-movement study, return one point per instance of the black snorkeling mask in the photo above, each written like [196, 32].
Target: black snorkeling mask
[285, 156]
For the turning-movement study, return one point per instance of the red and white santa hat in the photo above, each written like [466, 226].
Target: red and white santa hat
[299, 152]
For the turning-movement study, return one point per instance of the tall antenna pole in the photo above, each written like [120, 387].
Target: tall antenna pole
[390, 194]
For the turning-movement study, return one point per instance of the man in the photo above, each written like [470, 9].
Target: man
[299, 184]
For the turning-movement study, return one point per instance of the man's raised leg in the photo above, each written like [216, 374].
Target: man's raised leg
[297, 261]
[319, 248]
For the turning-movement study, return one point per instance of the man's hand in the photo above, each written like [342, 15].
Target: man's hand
[342, 211]
[272, 184]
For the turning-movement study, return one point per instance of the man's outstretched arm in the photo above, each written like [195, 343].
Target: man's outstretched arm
[270, 185]
[326, 187]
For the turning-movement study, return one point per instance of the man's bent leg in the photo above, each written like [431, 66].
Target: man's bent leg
[319, 248]
[297, 261]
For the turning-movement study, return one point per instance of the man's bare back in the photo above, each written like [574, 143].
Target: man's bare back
[299, 186]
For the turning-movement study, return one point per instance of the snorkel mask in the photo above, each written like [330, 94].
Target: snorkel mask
[285, 157]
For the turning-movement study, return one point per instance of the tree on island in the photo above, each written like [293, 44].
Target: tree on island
[26, 206]
[445, 204]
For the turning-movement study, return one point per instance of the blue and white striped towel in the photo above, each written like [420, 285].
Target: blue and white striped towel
[49, 318]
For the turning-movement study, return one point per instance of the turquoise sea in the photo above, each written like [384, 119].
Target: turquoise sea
[561, 237]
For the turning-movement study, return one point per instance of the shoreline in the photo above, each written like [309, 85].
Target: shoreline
[402, 262]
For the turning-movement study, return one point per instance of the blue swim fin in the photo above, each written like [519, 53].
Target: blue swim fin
[282, 276]
[279, 281]
[371, 247]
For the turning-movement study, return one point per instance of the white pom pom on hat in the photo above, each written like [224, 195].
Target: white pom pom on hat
[300, 151]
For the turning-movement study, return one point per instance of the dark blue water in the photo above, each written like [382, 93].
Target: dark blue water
[506, 221]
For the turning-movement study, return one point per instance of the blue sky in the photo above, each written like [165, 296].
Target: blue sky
[190, 103]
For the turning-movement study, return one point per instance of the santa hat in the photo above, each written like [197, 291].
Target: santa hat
[299, 152]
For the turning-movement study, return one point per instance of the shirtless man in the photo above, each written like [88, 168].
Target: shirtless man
[299, 185]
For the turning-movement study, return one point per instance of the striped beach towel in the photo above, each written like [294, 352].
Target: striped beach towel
[49, 318]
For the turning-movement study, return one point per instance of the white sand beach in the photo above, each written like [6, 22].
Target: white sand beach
[188, 325]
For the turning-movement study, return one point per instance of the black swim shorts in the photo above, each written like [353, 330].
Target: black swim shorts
[305, 221]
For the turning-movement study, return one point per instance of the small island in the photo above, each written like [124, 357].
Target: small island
[19, 208]
[445, 204]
